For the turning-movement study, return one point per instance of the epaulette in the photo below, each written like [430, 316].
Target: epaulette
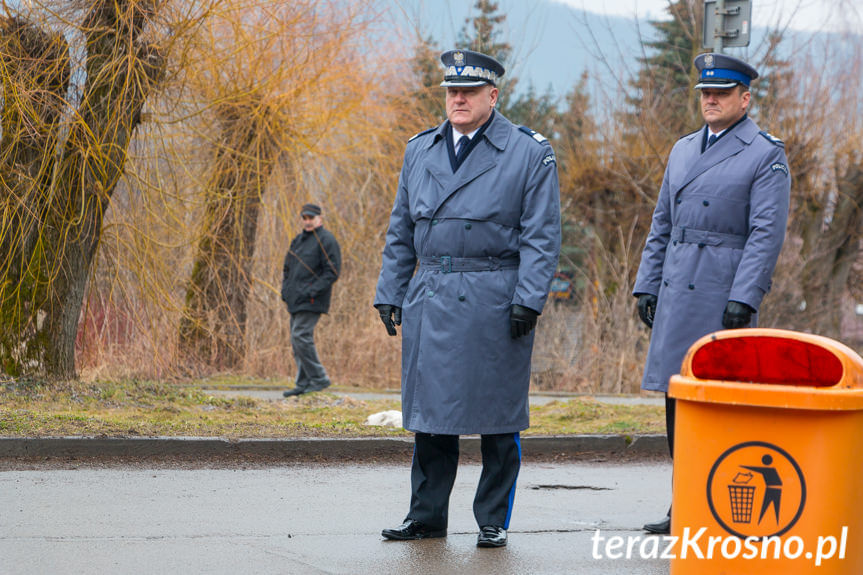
[690, 134]
[772, 139]
[415, 136]
[533, 134]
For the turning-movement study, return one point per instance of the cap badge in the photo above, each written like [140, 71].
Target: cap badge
[708, 60]
[458, 58]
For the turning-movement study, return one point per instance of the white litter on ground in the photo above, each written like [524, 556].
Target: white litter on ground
[391, 418]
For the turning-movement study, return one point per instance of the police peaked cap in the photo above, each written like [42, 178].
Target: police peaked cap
[722, 71]
[468, 69]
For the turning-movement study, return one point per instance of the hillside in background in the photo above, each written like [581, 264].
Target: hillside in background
[554, 44]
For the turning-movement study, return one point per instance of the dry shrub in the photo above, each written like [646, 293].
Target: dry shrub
[351, 340]
[598, 345]
[341, 142]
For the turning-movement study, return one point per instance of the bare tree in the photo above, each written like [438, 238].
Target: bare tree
[65, 158]
[268, 73]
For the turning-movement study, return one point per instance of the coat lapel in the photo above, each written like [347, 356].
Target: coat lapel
[727, 146]
[481, 159]
[436, 159]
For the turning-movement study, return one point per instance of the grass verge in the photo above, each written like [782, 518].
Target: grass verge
[147, 408]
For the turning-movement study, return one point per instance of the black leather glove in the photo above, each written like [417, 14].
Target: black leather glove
[736, 315]
[391, 315]
[647, 308]
[521, 320]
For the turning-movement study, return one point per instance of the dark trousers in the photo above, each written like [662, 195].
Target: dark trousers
[433, 472]
[670, 412]
[310, 371]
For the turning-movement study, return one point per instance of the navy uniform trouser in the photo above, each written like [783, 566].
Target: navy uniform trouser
[670, 416]
[433, 472]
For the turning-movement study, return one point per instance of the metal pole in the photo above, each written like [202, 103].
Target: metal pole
[719, 31]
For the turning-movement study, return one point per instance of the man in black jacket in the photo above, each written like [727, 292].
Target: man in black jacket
[311, 267]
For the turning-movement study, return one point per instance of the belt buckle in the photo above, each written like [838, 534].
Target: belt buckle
[446, 264]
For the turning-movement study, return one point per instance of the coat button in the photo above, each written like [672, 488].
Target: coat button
[691, 286]
[467, 226]
[701, 244]
[706, 203]
[430, 293]
[434, 222]
[679, 201]
[461, 298]
[674, 242]
[665, 282]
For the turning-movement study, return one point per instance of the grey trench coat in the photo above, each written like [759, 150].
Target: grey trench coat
[461, 248]
[716, 234]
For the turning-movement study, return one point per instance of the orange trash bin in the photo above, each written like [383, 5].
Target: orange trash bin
[768, 476]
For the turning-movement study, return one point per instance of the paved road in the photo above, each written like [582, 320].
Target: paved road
[315, 519]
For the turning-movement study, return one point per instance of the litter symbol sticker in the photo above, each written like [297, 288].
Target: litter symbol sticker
[756, 489]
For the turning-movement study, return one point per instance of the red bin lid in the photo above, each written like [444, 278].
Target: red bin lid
[771, 368]
[776, 360]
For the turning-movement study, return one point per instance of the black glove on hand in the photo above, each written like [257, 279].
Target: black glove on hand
[647, 308]
[736, 315]
[521, 320]
[391, 316]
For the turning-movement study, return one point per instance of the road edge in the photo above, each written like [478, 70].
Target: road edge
[315, 448]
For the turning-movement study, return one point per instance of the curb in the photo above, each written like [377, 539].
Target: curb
[315, 448]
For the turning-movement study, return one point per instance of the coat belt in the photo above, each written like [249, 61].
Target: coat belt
[447, 264]
[707, 238]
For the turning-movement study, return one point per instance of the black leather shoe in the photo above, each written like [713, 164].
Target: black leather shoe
[411, 529]
[294, 391]
[491, 536]
[661, 527]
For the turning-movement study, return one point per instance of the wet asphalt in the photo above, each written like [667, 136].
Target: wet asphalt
[205, 505]
[77, 517]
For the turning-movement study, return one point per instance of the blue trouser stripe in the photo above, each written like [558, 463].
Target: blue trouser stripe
[511, 499]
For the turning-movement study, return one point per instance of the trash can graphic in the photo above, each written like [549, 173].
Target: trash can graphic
[766, 463]
[741, 498]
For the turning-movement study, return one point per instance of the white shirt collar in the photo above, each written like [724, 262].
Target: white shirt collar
[456, 135]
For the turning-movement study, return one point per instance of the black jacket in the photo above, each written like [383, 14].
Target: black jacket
[312, 265]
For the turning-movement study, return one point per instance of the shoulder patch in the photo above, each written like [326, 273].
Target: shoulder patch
[415, 136]
[779, 167]
[772, 139]
[533, 134]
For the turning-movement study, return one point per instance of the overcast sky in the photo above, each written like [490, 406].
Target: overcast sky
[802, 14]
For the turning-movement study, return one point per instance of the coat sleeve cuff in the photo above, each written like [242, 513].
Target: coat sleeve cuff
[651, 288]
[533, 303]
[751, 297]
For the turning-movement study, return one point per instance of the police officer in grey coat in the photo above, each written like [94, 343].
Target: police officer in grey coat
[311, 267]
[717, 229]
[471, 249]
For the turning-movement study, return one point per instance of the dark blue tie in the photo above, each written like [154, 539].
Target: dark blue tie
[712, 140]
[463, 143]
